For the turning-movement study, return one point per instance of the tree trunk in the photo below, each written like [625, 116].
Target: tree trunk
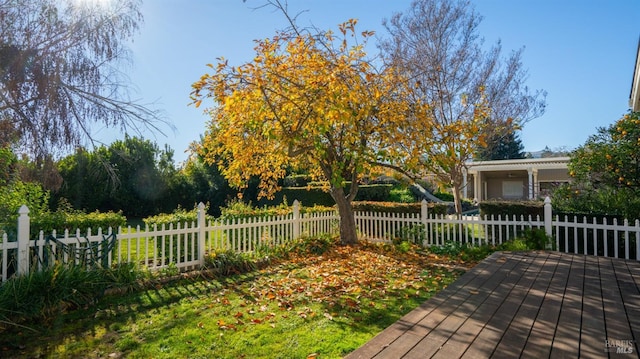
[348, 234]
[457, 200]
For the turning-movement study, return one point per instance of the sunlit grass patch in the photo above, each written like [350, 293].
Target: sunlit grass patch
[327, 304]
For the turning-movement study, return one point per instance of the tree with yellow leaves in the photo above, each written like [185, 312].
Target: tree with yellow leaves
[306, 101]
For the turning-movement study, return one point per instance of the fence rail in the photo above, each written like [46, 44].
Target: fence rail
[186, 245]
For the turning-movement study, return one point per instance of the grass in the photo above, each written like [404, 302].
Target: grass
[321, 305]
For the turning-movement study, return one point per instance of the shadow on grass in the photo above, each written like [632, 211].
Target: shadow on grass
[379, 304]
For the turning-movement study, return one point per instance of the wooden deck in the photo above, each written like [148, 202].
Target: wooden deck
[529, 305]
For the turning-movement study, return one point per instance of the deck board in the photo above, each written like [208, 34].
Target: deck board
[529, 305]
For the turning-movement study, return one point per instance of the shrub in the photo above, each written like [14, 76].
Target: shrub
[238, 209]
[315, 245]
[536, 239]
[374, 192]
[450, 248]
[16, 194]
[73, 220]
[447, 197]
[48, 292]
[178, 216]
[402, 195]
[516, 245]
[229, 262]
[476, 253]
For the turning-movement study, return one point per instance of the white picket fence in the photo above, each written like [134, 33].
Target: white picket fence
[186, 245]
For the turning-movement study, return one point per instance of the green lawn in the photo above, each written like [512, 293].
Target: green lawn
[322, 306]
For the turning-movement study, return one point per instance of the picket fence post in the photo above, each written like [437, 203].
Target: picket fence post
[201, 232]
[296, 219]
[23, 240]
[424, 216]
[548, 216]
[424, 212]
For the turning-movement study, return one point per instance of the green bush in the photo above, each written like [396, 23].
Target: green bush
[450, 248]
[615, 202]
[46, 293]
[447, 197]
[516, 245]
[238, 209]
[315, 245]
[178, 216]
[536, 239]
[229, 262]
[374, 192]
[476, 253]
[401, 195]
[73, 220]
[16, 194]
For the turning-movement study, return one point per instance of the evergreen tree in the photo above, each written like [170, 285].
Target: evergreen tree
[501, 147]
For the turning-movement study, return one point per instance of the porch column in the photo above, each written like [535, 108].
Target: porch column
[477, 186]
[464, 183]
[536, 185]
[533, 178]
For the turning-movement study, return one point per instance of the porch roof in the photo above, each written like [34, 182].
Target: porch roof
[524, 164]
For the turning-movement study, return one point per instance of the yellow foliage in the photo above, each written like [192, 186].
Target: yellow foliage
[303, 102]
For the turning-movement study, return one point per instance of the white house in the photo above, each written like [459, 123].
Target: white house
[527, 178]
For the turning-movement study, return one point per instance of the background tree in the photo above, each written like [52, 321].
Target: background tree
[207, 182]
[15, 192]
[436, 45]
[143, 182]
[505, 146]
[306, 101]
[606, 172]
[60, 71]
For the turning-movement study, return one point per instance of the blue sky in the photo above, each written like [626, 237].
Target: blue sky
[581, 52]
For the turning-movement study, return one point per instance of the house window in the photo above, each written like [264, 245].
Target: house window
[512, 189]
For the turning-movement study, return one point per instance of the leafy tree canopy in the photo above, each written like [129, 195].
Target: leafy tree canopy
[307, 101]
[606, 171]
[142, 179]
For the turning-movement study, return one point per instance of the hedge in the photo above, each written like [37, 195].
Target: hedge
[72, 221]
[317, 195]
[395, 207]
[512, 208]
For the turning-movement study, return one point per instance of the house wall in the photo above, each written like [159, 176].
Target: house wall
[503, 188]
